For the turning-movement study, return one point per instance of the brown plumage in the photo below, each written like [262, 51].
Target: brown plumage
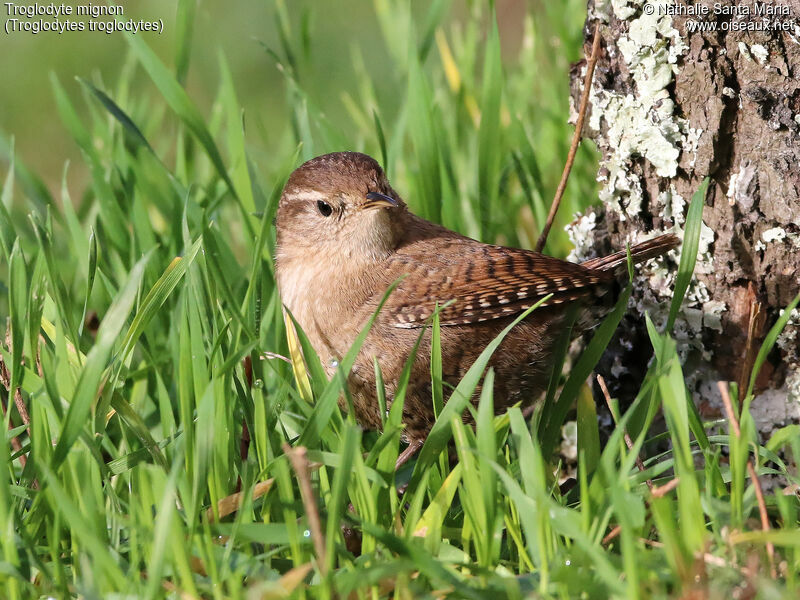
[344, 236]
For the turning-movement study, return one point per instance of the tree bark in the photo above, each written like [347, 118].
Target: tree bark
[671, 105]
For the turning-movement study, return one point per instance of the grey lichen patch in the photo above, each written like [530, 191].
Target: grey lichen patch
[569, 440]
[745, 51]
[568, 451]
[760, 53]
[770, 409]
[691, 143]
[580, 234]
[653, 295]
[774, 234]
[641, 124]
[789, 339]
[624, 9]
[644, 124]
[704, 248]
[650, 90]
[712, 314]
[776, 408]
[672, 206]
[741, 185]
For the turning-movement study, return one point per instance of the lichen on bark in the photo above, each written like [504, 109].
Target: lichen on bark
[668, 108]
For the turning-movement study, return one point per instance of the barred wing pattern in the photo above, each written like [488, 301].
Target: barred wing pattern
[491, 282]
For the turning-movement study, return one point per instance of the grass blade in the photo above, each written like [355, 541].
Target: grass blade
[691, 242]
[180, 103]
[440, 432]
[184, 28]
[96, 361]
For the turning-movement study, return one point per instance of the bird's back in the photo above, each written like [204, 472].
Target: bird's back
[486, 287]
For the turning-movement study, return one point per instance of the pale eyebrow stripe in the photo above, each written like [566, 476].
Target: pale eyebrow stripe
[306, 195]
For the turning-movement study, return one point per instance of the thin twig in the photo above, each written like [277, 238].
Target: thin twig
[413, 446]
[299, 460]
[726, 400]
[612, 534]
[628, 441]
[762, 505]
[576, 139]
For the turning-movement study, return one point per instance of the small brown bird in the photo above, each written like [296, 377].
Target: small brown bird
[344, 236]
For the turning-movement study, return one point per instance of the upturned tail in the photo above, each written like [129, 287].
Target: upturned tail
[617, 262]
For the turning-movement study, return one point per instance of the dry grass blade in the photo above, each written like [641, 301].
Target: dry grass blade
[294, 577]
[173, 589]
[576, 140]
[612, 534]
[755, 325]
[751, 470]
[230, 504]
[663, 490]
[299, 460]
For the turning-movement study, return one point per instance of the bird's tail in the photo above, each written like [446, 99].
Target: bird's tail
[617, 262]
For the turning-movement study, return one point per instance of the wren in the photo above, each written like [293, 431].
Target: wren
[344, 236]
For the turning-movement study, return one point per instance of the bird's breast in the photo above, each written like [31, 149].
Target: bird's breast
[302, 286]
[328, 300]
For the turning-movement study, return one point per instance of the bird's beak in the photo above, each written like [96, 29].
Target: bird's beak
[378, 200]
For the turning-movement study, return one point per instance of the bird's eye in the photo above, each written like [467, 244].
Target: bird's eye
[324, 208]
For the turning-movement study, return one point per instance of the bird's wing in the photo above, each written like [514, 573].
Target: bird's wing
[483, 282]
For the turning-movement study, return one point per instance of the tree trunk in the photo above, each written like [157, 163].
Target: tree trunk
[671, 105]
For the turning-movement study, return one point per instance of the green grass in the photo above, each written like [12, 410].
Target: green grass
[124, 482]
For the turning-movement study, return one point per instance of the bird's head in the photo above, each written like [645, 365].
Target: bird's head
[340, 204]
